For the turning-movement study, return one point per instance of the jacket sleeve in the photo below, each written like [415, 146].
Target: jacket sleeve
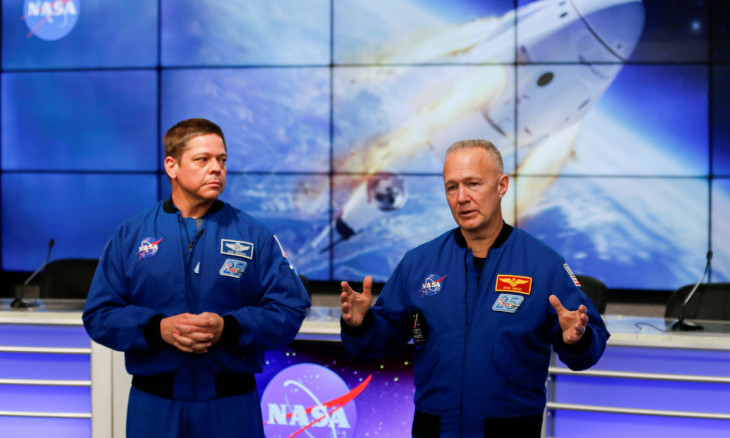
[277, 316]
[108, 317]
[386, 328]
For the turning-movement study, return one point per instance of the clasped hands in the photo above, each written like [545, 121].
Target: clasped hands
[192, 333]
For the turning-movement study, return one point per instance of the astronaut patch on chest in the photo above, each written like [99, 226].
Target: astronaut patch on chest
[508, 303]
[233, 268]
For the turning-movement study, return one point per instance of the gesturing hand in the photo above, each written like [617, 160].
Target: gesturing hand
[355, 305]
[572, 322]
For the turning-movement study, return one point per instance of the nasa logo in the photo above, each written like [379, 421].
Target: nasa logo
[432, 285]
[50, 20]
[309, 397]
[148, 247]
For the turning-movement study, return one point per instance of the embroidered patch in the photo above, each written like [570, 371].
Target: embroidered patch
[572, 276]
[237, 248]
[513, 283]
[149, 247]
[507, 303]
[420, 328]
[233, 268]
[432, 285]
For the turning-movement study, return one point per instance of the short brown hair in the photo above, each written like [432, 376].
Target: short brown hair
[483, 144]
[177, 137]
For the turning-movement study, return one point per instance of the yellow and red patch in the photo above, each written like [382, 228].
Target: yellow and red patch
[513, 283]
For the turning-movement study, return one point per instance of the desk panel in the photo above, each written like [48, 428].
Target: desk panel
[45, 373]
[649, 383]
[572, 424]
[18, 427]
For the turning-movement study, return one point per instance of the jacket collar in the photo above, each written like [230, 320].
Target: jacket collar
[504, 234]
[169, 207]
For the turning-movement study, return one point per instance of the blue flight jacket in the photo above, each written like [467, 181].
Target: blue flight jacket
[482, 347]
[236, 268]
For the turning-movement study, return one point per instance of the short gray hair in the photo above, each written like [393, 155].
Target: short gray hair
[483, 144]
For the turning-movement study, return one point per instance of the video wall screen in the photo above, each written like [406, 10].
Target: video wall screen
[337, 114]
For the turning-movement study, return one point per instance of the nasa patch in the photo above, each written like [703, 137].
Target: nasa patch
[507, 303]
[149, 247]
[431, 285]
[237, 248]
[233, 268]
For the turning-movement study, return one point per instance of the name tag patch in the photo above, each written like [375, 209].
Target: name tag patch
[514, 284]
[507, 303]
[233, 268]
[237, 248]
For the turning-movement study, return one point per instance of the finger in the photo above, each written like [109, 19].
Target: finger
[555, 302]
[204, 321]
[201, 347]
[193, 342]
[195, 348]
[200, 336]
[184, 340]
[210, 319]
[185, 328]
[346, 288]
[367, 286]
[182, 347]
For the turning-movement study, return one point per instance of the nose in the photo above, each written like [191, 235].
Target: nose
[216, 166]
[461, 195]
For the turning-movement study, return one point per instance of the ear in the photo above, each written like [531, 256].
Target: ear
[171, 167]
[502, 185]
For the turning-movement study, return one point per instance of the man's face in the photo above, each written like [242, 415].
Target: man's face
[201, 171]
[474, 189]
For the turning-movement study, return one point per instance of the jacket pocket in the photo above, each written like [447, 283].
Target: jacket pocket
[522, 370]
[426, 358]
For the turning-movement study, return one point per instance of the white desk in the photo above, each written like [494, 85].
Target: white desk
[55, 382]
[649, 382]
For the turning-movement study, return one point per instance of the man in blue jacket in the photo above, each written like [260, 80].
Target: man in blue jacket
[193, 291]
[484, 304]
